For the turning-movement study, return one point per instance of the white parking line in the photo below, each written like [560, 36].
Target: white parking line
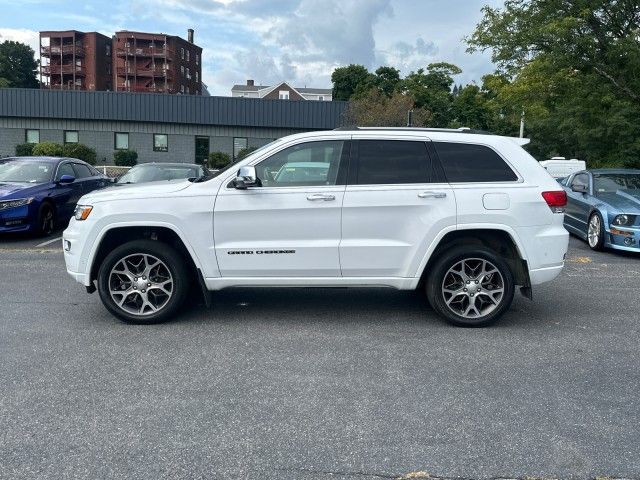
[48, 242]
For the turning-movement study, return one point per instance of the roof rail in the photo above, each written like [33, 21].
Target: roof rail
[418, 129]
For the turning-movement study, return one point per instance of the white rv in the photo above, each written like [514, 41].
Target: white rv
[560, 167]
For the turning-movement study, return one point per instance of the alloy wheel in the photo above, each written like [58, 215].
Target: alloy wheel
[593, 233]
[141, 284]
[473, 288]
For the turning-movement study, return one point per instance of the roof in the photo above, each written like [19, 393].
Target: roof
[614, 170]
[255, 88]
[41, 159]
[167, 108]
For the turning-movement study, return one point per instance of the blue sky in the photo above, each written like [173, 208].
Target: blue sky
[300, 41]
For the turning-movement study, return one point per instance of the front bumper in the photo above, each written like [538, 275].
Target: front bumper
[72, 245]
[18, 219]
[623, 238]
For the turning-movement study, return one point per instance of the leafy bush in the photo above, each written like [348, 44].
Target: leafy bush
[47, 149]
[24, 149]
[125, 158]
[219, 160]
[245, 152]
[79, 151]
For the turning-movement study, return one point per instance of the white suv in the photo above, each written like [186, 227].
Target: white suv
[465, 216]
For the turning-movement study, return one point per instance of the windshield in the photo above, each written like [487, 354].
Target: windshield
[26, 172]
[155, 173]
[612, 182]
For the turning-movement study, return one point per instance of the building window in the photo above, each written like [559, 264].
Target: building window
[187, 55]
[32, 136]
[239, 143]
[181, 88]
[196, 76]
[188, 74]
[71, 136]
[108, 50]
[182, 70]
[197, 59]
[121, 141]
[320, 98]
[160, 142]
[284, 95]
[182, 53]
[188, 90]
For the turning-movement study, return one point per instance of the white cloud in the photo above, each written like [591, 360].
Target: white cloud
[23, 35]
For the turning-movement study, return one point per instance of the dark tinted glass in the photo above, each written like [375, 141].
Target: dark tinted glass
[581, 179]
[392, 162]
[65, 169]
[472, 163]
[82, 171]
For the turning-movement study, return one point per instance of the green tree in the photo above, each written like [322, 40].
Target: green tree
[245, 152]
[125, 158]
[387, 80]
[47, 149]
[17, 65]
[346, 81]
[79, 151]
[219, 160]
[377, 110]
[24, 149]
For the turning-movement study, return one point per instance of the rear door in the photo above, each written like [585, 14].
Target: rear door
[395, 204]
[67, 195]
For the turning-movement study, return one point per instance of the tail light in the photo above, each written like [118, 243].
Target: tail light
[556, 200]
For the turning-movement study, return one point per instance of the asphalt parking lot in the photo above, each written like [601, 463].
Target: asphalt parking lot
[315, 384]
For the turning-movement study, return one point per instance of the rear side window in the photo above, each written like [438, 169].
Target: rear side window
[464, 162]
[82, 171]
[392, 162]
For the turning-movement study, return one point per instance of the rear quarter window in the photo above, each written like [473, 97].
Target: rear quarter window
[463, 162]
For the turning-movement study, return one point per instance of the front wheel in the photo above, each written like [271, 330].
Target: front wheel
[46, 219]
[595, 232]
[143, 282]
[470, 286]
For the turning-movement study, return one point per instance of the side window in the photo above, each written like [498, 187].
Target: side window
[65, 169]
[307, 164]
[392, 162]
[82, 171]
[464, 162]
[580, 179]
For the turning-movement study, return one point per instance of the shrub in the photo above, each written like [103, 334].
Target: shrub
[24, 149]
[245, 152]
[125, 158]
[80, 151]
[219, 160]
[47, 149]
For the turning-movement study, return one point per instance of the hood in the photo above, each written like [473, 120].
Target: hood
[17, 190]
[135, 191]
[627, 201]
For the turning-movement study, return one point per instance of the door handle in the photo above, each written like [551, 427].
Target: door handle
[320, 196]
[432, 195]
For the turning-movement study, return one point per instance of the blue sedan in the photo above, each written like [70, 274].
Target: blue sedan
[603, 208]
[39, 193]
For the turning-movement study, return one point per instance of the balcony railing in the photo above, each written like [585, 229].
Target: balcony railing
[159, 72]
[144, 52]
[63, 87]
[62, 69]
[64, 50]
[140, 88]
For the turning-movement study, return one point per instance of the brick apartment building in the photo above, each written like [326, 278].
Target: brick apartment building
[129, 61]
[72, 60]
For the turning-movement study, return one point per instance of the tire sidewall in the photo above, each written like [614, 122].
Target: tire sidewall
[171, 258]
[448, 260]
[46, 206]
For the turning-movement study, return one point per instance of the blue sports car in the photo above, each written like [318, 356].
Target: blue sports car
[39, 193]
[603, 208]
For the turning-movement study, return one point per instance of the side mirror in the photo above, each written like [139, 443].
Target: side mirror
[579, 188]
[66, 179]
[246, 178]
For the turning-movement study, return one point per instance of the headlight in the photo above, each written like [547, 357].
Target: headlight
[20, 202]
[82, 212]
[624, 220]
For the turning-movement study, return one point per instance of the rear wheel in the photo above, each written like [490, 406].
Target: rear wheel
[143, 282]
[46, 219]
[470, 286]
[595, 232]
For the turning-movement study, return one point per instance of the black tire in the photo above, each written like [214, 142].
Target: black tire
[174, 262]
[46, 219]
[474, 254]
[599, 245]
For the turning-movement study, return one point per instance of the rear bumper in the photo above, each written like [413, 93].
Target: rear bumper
[542, 275]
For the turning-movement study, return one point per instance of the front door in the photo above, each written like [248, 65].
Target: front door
[395, 205]
[202, 150]
[290, 225]
[578, 204]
